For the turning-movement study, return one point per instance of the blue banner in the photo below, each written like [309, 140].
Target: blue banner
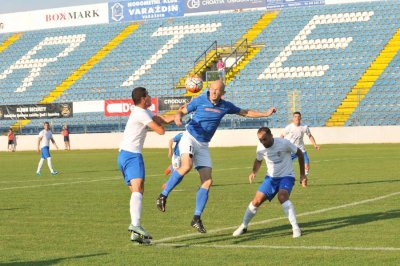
[144, 9]
[279, 4]
[194, 6]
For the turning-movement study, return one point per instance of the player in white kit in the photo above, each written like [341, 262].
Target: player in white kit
[294, 132]
[279, 180]
[43, 146]
[130, 159]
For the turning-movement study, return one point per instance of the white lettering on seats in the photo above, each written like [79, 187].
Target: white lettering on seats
[301, 43]
[177, 32]
[35, 65]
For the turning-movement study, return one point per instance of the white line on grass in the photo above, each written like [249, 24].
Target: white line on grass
[281, 247]
[282, 218]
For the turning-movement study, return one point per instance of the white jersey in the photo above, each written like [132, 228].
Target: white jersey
[46, 137]
[295, 134]
[136, 130]
[277, 157]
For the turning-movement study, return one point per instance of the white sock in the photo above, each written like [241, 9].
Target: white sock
[288, 208]
[136, 208]
[40, 165]
[249, 214]
[49, 164]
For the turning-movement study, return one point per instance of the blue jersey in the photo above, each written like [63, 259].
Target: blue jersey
[207, 116]
[176, 139]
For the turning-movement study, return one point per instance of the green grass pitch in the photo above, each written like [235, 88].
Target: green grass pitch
[349, 214]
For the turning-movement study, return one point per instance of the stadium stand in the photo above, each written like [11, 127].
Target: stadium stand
[308, 59]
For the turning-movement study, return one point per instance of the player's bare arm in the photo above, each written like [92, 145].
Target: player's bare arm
[160, 130]
[54, 143]
[170, 144]
[256, 114]
[38, 144]
[163, 119]
[314, 143]
[303, 177]
[256, 167]
[178, 116]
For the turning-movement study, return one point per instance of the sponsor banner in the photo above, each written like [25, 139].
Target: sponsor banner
[54, 18]
[278, 4]
[193, 6]
[172, 103]
[36, 111]
[138, 10]
[124, 107]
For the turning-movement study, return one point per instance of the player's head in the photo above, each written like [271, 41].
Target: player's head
[140, 96]
[217, 90]
[46, 125]
[265, 137]
[296, 118]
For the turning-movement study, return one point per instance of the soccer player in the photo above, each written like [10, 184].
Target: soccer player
[11, 140]
[130, 159]
[65, 133]
[174, 154]
[279, 180]
[45, 136]
[294, 132]
[208, 110]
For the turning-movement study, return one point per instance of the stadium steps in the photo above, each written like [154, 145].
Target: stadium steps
[67, 83]
[212, 57]
[250, 35]
[10, 41]
[257, 28]
[364, 84]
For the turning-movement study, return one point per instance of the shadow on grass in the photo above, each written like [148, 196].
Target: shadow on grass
[50, 261]
[285, 230]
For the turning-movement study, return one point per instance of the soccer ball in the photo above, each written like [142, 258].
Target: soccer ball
[194, 84]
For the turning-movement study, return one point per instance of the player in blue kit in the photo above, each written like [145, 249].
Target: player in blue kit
[279, 179]
[174, 153]
[208, 110]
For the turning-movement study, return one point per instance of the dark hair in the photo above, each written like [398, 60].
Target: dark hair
[137, 94]
[264, 129]
[47, 123]
[297, 113]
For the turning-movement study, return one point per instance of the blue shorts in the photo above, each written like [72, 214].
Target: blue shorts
[271, 186]
[131, 165]
[306, 159]
[45, 152]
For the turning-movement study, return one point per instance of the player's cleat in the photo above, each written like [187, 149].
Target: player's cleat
[296, 232]
[197, 223]
[139, 231]
[54, 172]
[136, 238]
[304, 182]
[38, 174]
[240, 231]
[161, 202]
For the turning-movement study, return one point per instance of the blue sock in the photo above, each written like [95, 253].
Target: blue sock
[172, 182]
[201, 200]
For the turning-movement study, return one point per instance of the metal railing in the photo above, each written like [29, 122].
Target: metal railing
[203, 56]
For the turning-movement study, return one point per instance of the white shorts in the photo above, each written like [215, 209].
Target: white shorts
[199, 150]
[175, 161]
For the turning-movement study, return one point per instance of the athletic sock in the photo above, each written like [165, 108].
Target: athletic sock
[136, 208]
[201, 200]
[290, 212]
[249, 214]
[49, 164]
[40, 165]
[172, 182]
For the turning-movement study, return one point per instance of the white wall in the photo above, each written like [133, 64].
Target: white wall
[222, 138]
